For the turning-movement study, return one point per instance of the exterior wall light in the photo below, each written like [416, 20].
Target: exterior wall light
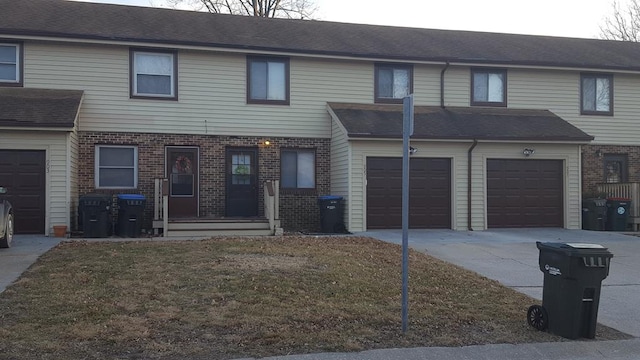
[528, 152]
[412, 150]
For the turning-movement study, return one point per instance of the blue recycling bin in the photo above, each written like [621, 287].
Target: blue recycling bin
[331, 214]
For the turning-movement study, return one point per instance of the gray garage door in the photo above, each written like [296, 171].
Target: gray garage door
[430, 189]
[23, 173]
[524, 193]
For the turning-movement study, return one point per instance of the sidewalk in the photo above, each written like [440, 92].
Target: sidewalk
[570, 350]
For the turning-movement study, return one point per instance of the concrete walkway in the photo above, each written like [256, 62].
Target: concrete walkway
[24, 251]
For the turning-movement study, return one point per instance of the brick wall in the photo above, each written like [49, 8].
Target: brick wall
[298, 209]
[593, 164]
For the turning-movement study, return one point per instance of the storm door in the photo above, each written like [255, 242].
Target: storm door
[182, 172]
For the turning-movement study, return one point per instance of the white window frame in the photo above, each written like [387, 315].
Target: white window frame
[17, 64]
[135, 73]
[315, 170]
[98, 167]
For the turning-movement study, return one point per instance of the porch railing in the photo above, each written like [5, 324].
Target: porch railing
[272, 205]
[624, 190]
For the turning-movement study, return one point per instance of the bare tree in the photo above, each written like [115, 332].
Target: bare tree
[624, 23]
[293, 9]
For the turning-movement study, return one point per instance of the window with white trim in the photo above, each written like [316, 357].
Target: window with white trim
[116, 167]
[153, 74]
[298, 169]
[10, 63]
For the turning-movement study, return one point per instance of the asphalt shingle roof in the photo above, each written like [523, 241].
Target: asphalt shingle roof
[457, 123]
[42, 108]
[81, 20]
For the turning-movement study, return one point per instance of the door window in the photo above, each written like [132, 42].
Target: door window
[182, 176]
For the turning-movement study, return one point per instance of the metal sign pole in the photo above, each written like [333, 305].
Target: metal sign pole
[407, 130]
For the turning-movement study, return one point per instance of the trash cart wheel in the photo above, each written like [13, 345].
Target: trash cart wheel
[537, 317]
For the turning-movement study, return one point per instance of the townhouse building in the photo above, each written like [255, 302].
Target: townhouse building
[510, 130]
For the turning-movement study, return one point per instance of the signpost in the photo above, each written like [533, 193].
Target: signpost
[407, 131]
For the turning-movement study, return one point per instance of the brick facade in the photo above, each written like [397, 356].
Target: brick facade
[593, 171]
[298, 209]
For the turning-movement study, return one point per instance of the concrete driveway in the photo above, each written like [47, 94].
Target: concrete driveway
[24, 251]
[511, 257]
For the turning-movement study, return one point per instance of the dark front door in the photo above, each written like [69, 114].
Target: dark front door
[22, 172]
[242, 182]
[182, 172]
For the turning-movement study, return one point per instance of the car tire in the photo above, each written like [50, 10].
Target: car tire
[5, 242]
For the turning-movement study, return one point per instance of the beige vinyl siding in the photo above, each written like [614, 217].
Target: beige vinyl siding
[55, 146]
[211, 92]
[570, 154]
[363, 149]
[457, 152]
[340, 163]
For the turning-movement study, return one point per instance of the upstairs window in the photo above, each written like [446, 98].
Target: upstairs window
[596, 94]
[488, 87]
[393, 82]
[268, 80]
[298, 169]
[116, 167]
[153, 74]
[10, 64]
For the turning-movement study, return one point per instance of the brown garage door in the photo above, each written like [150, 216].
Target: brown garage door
[430, 193]
[23, 173]
[524, 193]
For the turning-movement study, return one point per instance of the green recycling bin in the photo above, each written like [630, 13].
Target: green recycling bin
[573, 275]
[617, 214]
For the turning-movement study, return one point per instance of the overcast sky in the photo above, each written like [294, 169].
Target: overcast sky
[572, 18]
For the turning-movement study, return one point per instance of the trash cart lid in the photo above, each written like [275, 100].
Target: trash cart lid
[574, 249]
[330, 197]
[131, 197]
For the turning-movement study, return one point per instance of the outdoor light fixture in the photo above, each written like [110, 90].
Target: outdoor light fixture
[412, 150]
[599, 153]
[528, 152]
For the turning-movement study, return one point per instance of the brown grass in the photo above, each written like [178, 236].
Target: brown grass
[236, 297]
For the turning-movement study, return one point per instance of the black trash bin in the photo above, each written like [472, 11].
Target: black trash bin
[594, 214]
[94, 218]
[130, 214]
[573, 275]
[617, 214]
[331, 210]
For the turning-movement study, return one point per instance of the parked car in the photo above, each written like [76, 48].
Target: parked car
[6, 220]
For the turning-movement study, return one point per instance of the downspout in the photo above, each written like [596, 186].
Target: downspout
[446, 66]
[475, 142]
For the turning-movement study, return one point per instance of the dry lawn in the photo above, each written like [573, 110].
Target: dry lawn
[226, 298]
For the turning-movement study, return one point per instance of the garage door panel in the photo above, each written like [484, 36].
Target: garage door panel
[23, 173]
[430, 193]
[524, 193]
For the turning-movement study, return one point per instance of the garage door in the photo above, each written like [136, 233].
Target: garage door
[524, 193]
[430, 193]
[23, 173]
